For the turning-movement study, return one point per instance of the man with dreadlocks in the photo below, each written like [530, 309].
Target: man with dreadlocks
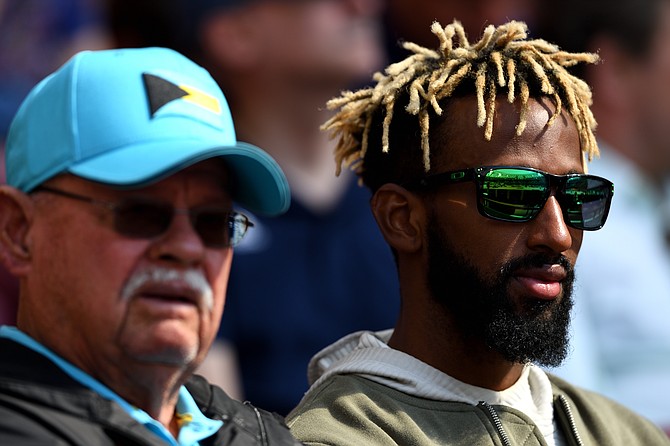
[476, 156]
[621, 345]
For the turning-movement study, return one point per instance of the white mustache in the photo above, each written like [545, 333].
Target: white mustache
[193, 278]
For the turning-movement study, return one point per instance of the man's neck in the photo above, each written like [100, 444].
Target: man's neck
[154, 388]
[467, 360]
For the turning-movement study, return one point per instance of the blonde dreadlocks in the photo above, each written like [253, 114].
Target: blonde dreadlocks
[503, 58]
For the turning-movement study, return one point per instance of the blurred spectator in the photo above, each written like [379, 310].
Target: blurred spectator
[9, 286]
[322, 270]
[410, 20]
[37, 37]
[143, 23]
[621, 333]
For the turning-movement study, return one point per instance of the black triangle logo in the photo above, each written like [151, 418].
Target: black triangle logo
[160, 91]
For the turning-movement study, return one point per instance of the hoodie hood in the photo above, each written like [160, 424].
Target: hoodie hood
[367, 354]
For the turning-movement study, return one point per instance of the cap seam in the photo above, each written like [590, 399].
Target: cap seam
[74, 83]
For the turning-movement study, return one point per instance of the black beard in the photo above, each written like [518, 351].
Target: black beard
[532, 331]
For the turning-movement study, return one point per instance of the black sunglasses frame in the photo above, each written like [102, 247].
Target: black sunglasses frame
[556, 187]
[238, 224]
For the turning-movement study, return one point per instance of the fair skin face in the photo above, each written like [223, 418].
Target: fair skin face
[306, 43]
[425, 330]
[73, 266]
[278, 63]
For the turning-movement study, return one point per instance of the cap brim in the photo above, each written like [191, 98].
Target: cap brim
[260, 185]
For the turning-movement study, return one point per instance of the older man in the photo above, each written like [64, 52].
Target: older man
[119, 221]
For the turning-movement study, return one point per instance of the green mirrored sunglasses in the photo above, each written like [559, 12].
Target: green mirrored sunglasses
[518, 194]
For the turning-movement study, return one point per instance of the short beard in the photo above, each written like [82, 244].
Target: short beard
[533, 331]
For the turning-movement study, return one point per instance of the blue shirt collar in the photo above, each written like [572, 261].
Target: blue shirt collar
[195, 425]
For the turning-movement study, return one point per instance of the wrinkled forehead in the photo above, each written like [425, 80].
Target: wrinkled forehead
[213, 169]
[210, 178]
[212, 175]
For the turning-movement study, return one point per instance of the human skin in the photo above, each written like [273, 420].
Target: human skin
[425, 329]
[74, 270]
[291, 57]
[306, 44]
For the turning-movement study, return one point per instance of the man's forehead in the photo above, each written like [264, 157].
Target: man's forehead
[214, 172]
[461, 139]
[214, 168]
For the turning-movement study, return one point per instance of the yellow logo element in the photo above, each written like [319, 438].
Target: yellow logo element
[202, 99]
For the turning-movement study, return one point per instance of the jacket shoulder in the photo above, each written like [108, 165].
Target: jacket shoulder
[600, 420]
[244, 424]
[350, 409]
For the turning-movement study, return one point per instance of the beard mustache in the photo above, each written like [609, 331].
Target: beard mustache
[157, 274]
[532, 330]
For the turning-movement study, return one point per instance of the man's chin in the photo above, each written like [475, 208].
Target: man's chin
[169, 359]
[165, 355]
[159, 348]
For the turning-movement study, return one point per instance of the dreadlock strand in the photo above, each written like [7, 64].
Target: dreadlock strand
[578, 102]
[541, 46]
[490, 112]
[566, 59]
[438, 84]
[498, 62]
[485, 41]
[424, 123]
[344, 152]
[460, 33]
[347, 97]
[480, 84]
[387, 125]
[559, 108]
[416, 93]
[511, 32]
[502, 58]
[454, 81]
[572, 100]
[420, 51]
[538, 70]
[587, 137]
[511, 79]
[365, 138]
[524, 94]
[443, 37]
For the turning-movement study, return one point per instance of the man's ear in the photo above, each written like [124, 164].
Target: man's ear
[16, 215]
[400, 215]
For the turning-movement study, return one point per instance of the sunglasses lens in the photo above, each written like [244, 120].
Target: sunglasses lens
[512, 194]
[212, 227]
[587, 201]
[217, 228]
[139, 219]
[238, 225]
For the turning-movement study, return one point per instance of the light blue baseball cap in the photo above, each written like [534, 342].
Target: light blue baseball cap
[130, 117]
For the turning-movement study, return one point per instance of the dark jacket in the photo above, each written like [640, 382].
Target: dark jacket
[41, 405]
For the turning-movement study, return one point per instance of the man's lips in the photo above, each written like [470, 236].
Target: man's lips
[169, 294]
[542, 283]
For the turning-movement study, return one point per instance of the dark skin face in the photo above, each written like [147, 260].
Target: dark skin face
[427, 329]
